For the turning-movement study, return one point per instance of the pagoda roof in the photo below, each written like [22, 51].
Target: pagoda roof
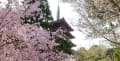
[62, 22]
[69, 34]
[64, 25]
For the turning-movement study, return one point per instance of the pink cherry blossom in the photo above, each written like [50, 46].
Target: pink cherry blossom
[24, 42]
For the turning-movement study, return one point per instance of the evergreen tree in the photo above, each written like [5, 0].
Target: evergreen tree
[64, 45]
[42, 17]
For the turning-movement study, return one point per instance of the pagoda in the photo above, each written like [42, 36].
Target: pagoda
[63, 37]
[61, 23]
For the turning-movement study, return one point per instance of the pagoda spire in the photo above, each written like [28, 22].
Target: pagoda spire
[58, 11]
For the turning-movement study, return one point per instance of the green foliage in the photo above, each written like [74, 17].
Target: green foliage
[95, 53]
[106, 59]
[98, 53]
[116, 55]
[64, 45]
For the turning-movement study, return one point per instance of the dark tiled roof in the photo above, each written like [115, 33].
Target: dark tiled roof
[69, 34]
[65, 26]
[62, 23]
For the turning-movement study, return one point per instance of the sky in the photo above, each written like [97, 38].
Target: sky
[68, 13]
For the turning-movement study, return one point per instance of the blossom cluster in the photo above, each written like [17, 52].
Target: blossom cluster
[24, 42]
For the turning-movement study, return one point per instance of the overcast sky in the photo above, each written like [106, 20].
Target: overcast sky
[68, 13]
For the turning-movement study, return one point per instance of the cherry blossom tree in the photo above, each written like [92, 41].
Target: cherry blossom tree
[24, 42]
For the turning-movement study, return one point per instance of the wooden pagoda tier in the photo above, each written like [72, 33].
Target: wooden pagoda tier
[64, 26]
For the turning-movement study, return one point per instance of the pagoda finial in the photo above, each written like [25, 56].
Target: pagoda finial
[58, 11]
